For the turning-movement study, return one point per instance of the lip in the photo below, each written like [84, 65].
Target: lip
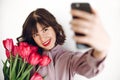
[46, 43]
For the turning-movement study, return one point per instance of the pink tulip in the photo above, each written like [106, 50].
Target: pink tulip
[34, 58]
[44, 61]
[36, 76]
[8, 44]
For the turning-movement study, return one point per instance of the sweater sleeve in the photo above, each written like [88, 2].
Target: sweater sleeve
[85, 64]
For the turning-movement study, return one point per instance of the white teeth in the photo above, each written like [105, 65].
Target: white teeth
[46, 42]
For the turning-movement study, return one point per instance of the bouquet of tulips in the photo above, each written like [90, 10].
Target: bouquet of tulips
[21, 59]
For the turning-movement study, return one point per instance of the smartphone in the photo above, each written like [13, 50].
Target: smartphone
[84, 7]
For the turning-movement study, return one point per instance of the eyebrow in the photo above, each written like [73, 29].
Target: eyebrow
[40, 30]
[44, 28]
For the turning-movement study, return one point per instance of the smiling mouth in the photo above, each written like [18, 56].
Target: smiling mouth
[46, 43]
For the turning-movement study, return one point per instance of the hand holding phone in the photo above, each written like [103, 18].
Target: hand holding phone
[84, 7]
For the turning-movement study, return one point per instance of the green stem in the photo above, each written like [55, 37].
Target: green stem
[10, 66]
[13, 72]
[23, 65]
[30, 67]
[38, 68]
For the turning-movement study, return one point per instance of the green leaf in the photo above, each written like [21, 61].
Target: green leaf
[28, 77]
[13, 69]
[20, 71]
[6, 76]
[27, 71]
[19, 65]
[24, 68]
[20, 62]
[6, 70]
[4, 66]
[11, 63]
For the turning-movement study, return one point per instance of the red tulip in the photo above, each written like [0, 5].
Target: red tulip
[34, 48]
[16, 50]
[44, 61]
[8, 44]
[7, 54]
[36, 76]
[23, 44]
[34, 58]
[24, 50]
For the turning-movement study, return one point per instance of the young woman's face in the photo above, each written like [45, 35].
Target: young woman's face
[45, 38]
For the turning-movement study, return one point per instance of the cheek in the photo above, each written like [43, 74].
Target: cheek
[37, 41]
[53, 36]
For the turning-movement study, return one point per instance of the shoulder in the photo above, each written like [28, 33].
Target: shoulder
[66, 54]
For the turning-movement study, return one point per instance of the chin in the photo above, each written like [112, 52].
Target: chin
[49, 48]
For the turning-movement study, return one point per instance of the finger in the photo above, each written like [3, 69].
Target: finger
[82, 14]
[81, 39]
[80, 30]
[81, 23]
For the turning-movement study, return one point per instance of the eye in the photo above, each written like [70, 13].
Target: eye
[35, 35]
[45, 29]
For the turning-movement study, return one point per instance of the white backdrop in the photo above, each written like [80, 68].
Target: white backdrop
[14, 12]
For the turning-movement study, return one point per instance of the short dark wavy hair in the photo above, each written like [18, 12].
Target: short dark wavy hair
[44, 18]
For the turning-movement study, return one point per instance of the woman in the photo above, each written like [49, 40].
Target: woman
[41, 29]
